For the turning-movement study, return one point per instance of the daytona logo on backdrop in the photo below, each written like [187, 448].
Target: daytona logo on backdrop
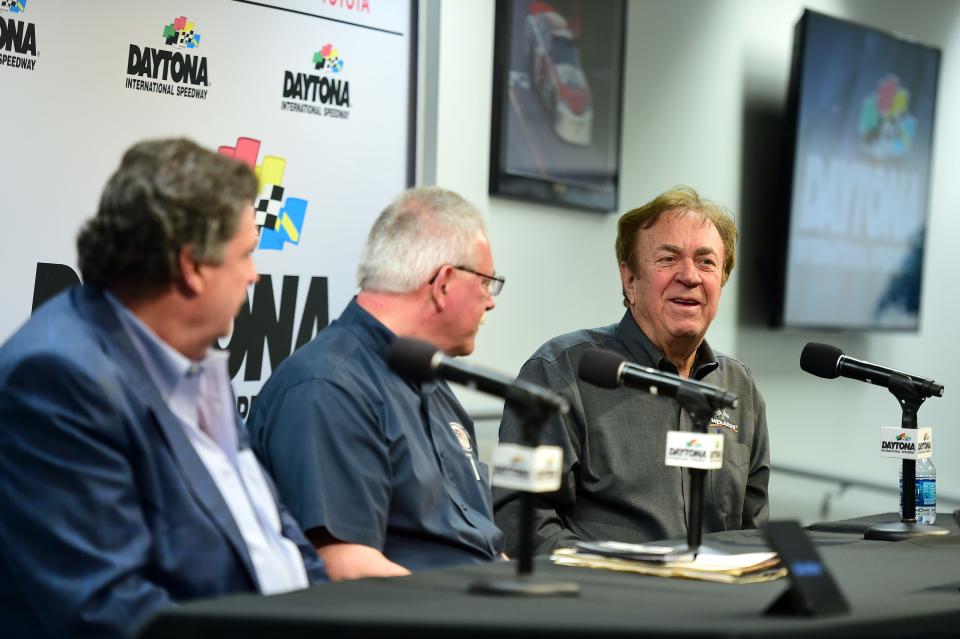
[324, 92]
[18, 39]
[279, 220]
[176, 71]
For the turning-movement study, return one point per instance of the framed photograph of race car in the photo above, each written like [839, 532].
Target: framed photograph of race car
[557, 87]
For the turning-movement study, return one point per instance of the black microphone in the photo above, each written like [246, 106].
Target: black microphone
[609, 370]
[423, 361]
[828, 361]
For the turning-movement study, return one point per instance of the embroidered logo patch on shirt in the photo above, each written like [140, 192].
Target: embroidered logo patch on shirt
[721, 419]
[462, 436]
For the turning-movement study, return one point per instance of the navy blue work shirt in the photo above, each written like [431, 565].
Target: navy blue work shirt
[373, 457]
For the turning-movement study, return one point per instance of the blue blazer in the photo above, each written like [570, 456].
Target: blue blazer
[107, 513]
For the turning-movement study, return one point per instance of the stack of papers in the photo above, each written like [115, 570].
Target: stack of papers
[709, 564]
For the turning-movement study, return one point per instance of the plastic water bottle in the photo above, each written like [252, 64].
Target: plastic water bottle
[926, 506]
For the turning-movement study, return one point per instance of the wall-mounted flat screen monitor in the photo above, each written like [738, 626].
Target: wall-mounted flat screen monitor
[860, 119]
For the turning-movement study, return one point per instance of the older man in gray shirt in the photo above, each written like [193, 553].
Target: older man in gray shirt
[675, 254]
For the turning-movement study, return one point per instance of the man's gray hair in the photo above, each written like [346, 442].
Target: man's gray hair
[419, 232]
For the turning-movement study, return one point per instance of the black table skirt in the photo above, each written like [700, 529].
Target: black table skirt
[895, 589]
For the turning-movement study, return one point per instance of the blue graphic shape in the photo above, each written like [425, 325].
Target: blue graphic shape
[194, 41]
[274, 240]
[19, 7]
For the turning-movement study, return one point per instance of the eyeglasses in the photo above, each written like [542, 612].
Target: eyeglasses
[493, 283]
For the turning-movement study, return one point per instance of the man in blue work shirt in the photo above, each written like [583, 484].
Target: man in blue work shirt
[382, 472]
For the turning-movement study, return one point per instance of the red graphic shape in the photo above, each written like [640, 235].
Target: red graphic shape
[180, 23]
[540, 7]
[885, 93]
[246, 151]
[325, 51]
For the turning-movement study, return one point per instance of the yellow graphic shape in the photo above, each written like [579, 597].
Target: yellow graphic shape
[289, 227]
[900, 100]
[270, 171]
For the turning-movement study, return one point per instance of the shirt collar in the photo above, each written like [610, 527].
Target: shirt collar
[371, 331]
[377, 337]
[638, 344]
[166, 366]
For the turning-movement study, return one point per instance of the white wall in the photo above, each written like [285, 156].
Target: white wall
[705, 83]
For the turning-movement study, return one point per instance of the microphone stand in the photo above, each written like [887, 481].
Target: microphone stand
[698, 407]
[903, 389]
[534, 415]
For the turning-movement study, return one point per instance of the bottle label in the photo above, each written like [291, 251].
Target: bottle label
[926, 493]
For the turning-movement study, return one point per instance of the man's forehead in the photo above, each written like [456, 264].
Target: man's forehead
[481, 248]
[678, 229]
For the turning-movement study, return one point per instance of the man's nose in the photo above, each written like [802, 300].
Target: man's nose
[688, 273]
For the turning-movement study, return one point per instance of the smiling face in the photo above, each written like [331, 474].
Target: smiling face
[673, 290]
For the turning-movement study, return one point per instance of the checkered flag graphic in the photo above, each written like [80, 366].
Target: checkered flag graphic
[268, 207]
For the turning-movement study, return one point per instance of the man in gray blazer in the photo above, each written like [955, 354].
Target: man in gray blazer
[675, 254]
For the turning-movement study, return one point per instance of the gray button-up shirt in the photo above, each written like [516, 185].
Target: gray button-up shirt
[615, 484]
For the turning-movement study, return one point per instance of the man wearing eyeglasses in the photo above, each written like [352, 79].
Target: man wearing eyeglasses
[381, 471]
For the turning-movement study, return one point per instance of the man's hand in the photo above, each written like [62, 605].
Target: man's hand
[352, 561]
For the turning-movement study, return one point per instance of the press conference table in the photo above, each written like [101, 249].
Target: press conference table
[895, 589]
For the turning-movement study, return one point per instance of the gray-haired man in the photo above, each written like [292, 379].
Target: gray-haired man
[382, 472]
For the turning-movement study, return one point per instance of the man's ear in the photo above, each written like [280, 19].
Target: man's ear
[190, 277]
[628, 279]
[438, 289]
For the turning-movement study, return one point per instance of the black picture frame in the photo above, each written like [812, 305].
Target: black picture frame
[555, 134]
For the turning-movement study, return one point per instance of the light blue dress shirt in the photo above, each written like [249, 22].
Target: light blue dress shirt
[199, 394]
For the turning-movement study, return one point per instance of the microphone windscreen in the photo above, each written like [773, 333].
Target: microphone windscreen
[412, 358]
[821, 360]
[600, 368]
